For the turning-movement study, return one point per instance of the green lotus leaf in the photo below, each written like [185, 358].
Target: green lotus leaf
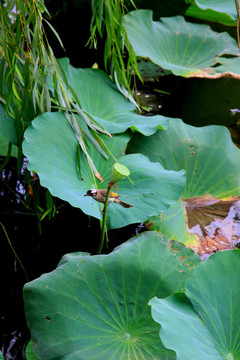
[29, 352]
[95, 307]
[223, 11]
[51, 147]
[231, 65]
[210, 15]
[100, 98]
[174, 44]
[203, 323]
[227, 7]
[211, 162]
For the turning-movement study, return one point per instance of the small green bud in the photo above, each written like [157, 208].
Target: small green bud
[119, 172]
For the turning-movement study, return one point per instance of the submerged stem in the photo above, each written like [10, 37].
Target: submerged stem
[15, 254]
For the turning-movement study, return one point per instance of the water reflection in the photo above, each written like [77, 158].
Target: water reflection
[215, 222]
[14, 347]
[12, 189]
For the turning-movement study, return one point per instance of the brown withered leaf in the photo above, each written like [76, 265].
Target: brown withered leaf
[98, 176]
[215, 222]
[206, 74]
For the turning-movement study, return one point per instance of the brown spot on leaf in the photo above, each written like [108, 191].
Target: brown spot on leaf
[149, 225]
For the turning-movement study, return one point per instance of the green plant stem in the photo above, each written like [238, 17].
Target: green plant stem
[15, 254]
[104, 219]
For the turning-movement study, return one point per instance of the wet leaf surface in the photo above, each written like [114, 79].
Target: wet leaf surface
[51, 147]
[100, 98]
[215, 222]
[95, 307]
[209, 203]
[203, 322]
[165, 41]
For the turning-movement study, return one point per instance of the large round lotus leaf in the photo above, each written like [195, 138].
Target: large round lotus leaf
[100, 98]
[220, 6]
[211, 162]
[204, 322]
[51, 147]
[221, 11]
[174, 44]
[96, 307]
